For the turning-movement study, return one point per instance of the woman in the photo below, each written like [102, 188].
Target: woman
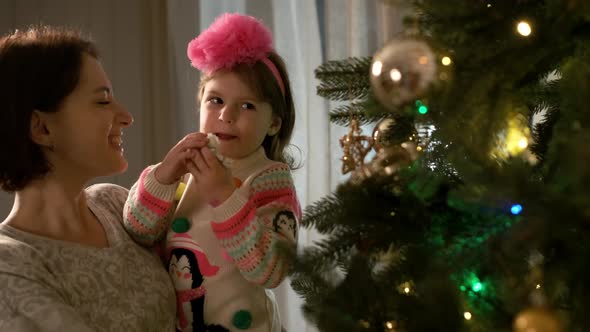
[66, 263]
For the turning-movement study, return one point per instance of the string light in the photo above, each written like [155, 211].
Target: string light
[406, 288]
[422, 108]
[365, 324]
[477, 287]
[446, 61]
[538, 286]
[516, 209]
[516, 141]
[524, 28]
[467, 315]
[389, 325]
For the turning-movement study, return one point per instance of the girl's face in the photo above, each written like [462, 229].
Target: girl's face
[86, 132]
[232, 111]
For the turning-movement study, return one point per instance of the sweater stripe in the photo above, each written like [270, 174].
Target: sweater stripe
[249, 236]
[151, 202]
[145, 215]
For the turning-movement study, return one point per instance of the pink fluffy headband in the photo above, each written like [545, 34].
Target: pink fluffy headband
[232, 39]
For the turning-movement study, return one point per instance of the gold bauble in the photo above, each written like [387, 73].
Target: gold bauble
[391, 159]
[379, 137]
[402, 70]
[537, 320]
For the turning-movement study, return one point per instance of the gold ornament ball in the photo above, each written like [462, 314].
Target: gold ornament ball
[379, 140]
[537, 320]
[402, 70]
[390, 160]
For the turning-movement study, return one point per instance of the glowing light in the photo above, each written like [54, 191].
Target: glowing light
[407, 290]
[467, 315]
[446, 61]
[489, 5]
[477, 287]
[395, 75]
[516, 209]
[524, 28]
[389, 325]
[538, 286]
[423, 109]
[516, 140]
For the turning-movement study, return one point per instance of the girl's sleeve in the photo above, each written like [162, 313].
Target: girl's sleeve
[148, 209]
[251, 222]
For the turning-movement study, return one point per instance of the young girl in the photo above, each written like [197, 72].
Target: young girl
[239, 202]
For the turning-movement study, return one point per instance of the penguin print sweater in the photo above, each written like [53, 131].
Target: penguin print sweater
[224, 259]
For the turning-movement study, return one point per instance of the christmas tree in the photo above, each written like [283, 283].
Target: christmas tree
[474, 213]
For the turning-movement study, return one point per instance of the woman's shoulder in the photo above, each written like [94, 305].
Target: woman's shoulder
[107, 196]
[108, 189]
[16, 255]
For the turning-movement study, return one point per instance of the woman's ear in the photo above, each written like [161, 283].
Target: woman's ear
[39, 132]
[275, 126]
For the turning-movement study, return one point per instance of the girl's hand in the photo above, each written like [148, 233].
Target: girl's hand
[212, 179]
[174, 165]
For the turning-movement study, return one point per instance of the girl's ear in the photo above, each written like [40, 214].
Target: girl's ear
[39, 132]
[275, 126]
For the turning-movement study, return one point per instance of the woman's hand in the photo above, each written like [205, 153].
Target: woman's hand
[212, 179]
[174, 165]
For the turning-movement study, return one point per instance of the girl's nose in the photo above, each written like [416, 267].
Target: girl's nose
[227, 114]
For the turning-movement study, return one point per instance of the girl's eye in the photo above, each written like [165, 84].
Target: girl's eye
[216, 100]
[248, 106]
[106, 102]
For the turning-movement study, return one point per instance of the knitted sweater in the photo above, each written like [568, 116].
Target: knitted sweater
[222, 259]
[51, 285]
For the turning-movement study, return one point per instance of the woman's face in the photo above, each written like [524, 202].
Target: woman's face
[86, 132]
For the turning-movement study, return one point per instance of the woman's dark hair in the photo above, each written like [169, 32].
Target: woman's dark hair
[263, 82]
[39, 67]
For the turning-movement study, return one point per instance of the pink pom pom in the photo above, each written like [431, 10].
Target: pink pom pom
[231, 39]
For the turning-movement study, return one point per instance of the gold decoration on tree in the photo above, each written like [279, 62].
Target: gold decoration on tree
[355, 147]
[392, 155]
[379, 138]
[401, 71]
[538, 319]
